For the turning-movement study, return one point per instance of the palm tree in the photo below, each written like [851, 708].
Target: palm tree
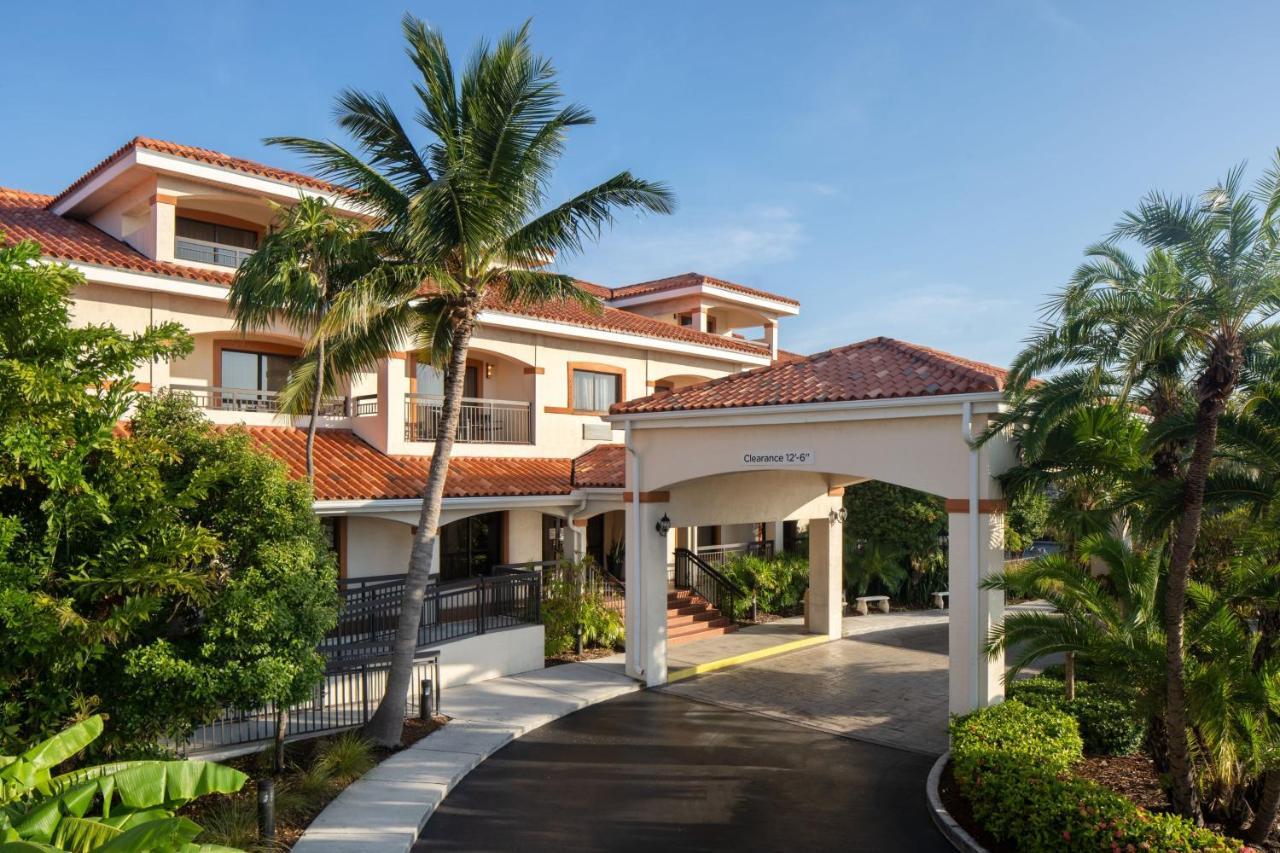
[461, 221]
[1226, 249]
[313, 255]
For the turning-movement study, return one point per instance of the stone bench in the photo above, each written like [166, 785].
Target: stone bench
[881, 602]
[941, 599]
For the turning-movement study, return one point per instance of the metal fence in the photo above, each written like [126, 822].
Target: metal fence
[718, 555]
[247, 399]
[480, 421]
[358, 651]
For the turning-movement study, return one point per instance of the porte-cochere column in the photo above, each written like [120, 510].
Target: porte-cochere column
[975, 677]
[646, 580]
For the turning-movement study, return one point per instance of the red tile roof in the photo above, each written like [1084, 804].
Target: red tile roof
[347, 468]
[694, 279]
[875, 369]
[202, 155]
[601, 467]
[616, 320]
[23, 216]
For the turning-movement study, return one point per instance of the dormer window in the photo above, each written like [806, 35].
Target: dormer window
[211, 243]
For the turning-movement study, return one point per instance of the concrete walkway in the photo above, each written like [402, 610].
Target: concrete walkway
[385, 809]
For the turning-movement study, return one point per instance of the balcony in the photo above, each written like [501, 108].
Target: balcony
[482, 421]
[204, 252]
[220, 399]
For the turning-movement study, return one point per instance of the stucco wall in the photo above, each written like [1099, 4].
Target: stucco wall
[376, 546]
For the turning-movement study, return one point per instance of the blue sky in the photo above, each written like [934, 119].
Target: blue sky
[928, 171]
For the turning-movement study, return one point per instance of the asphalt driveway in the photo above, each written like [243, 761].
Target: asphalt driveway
[655, 771]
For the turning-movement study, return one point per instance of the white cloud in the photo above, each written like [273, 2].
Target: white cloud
[760, 234]
[947, 317]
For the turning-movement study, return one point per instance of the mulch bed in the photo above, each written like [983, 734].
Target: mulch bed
[958, 806]
[299, 753]
[570, 657]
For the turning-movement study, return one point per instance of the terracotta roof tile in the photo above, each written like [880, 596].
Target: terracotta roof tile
[23, 217]
[601, 467]
[693, 279]
[875, 369]
[347, 468]
[202, 155]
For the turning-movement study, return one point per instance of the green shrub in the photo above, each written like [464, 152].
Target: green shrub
[1013, 765]
[572, 601]
[778, 583]
[1108, 723]
[345, 758]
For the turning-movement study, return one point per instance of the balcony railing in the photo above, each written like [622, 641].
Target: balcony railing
[481, 421]
[248, 400]
[202, 251]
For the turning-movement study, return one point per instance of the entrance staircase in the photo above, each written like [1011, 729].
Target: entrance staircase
[691, 617]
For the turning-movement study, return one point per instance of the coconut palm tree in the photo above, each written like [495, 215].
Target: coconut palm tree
[462, 220]
[313, 254]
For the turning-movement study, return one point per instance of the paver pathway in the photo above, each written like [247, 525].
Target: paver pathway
[884, 682]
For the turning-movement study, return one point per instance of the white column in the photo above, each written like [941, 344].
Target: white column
[646, 580]
[779, 535]
[826, 577]
[771, 337]
[975, 678]
[700, 319]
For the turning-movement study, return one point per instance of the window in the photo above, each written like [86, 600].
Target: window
[471, 546]
[594, 391]
[209, 243]
[431, 381]
[254, 371]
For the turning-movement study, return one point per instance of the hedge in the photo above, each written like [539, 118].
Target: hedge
[1012, 763]
[1108, 723]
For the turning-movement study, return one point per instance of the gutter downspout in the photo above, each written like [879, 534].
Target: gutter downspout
[573, 531]
[633, 547]
[974, 551]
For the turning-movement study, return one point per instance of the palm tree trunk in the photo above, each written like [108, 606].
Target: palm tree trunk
[1181, 771]
[282, 728]
[387, 724]
[316, 397]
[1069, 676]
[1268, 809]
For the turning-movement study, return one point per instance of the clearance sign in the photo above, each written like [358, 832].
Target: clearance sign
[774, 458]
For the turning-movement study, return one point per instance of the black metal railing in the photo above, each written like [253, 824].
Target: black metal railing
[694, 573]
[450, 611]
[345, 699]
[223, 399]
[595, 580]
[365, 404]
[358, 651]
[718, 555]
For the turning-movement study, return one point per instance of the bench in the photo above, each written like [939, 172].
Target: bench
[941, 599]
[881, 602]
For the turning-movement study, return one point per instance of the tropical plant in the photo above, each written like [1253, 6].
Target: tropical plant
[875, 565]
[1169, 337]
[311, 255]
[777, 584]
[161, 571]
[460, 220]
[345, 757]
[573, 609]
[124, 806]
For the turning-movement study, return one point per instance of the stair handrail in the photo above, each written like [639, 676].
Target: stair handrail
[721, 587]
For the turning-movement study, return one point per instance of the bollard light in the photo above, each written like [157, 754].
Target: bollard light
[267, 811]
[425, 711]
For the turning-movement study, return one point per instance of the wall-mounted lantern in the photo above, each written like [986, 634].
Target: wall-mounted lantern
[839, 516]
[663, 526]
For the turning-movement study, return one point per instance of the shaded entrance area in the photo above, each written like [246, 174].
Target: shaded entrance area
[652, 771]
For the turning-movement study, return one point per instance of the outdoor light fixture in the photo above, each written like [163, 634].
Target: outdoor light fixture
[663, 526]
[944, 539]
[488, 370]
[839, 516]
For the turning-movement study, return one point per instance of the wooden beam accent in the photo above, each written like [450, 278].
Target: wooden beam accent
[581, 522]
[162, 198]
[986, 506]
[534, 371]
[836, 492]
[648, 497]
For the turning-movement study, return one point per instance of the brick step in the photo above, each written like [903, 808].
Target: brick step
[689, 619]
[697, 627]
[679, 595]
[701, 635]
[689, 609]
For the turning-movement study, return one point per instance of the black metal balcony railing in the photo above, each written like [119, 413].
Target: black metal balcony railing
[717, 556]
[481, 421]
[248, 399]
[366, 404]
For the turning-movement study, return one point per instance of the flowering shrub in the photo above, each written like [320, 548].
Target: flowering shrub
[1013, 765]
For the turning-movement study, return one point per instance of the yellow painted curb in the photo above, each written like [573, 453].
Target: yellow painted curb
[745, 657]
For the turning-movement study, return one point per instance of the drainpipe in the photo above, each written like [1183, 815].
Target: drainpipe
[974, 551]
[633, 547]
[573, 531]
